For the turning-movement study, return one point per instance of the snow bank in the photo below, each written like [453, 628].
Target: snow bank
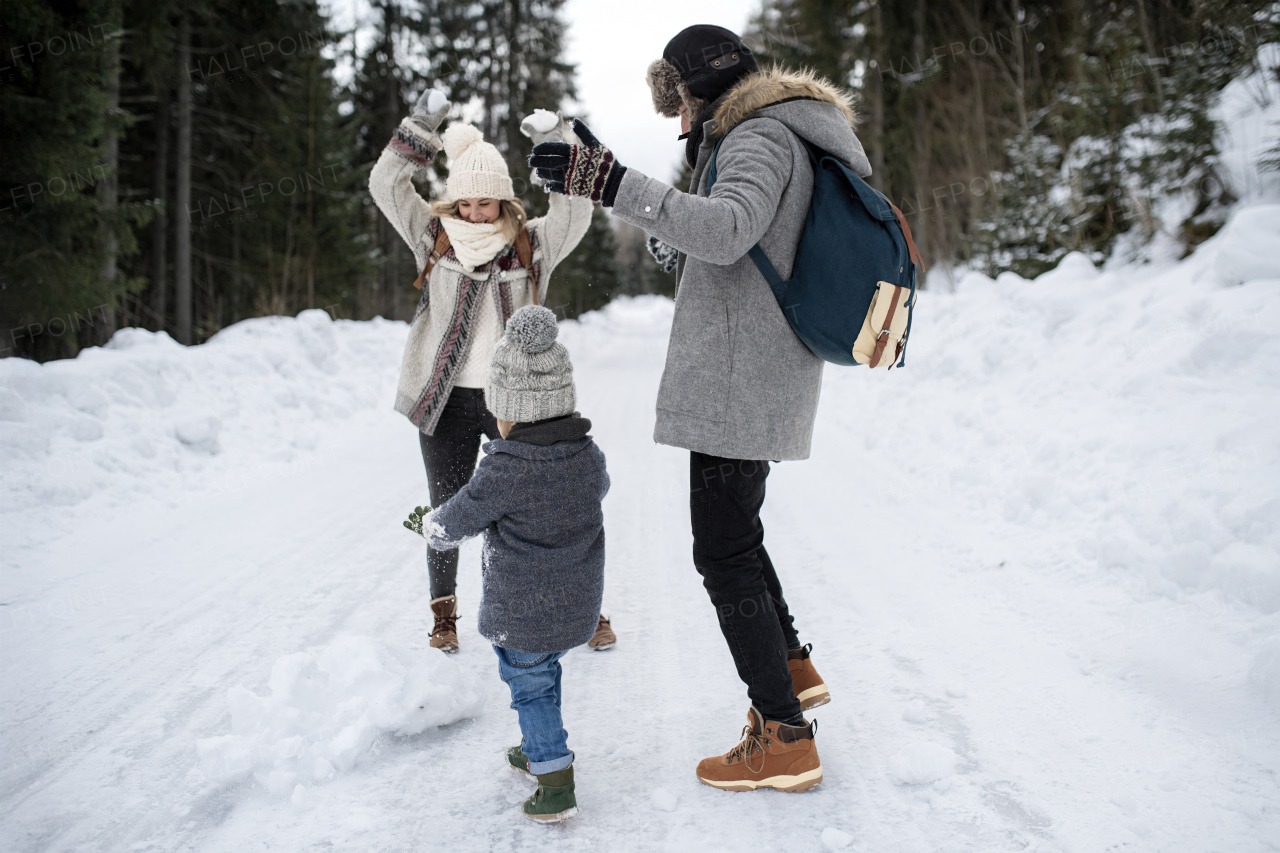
[1250, 248]
[1131, 412]
[327, 708]
[144, 413]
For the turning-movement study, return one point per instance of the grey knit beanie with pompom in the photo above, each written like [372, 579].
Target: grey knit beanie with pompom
[531, 378]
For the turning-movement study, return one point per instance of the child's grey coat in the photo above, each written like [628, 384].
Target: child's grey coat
[543, 560]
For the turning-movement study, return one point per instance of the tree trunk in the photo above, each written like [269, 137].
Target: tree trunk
[182, 190]
[875, 94]
[160, 224]
[921, 228]
[109, 188]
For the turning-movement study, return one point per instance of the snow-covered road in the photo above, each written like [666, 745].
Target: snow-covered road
[957, 590]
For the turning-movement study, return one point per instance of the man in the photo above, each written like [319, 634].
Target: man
[739, 387]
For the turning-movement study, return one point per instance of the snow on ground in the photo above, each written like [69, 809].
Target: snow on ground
[1040, 567]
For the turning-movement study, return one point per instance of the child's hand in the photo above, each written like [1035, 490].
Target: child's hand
[414, 522]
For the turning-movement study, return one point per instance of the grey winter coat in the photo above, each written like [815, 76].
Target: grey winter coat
[536, 498]
[738, 382]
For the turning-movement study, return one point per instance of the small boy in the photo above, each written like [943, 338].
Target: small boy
[536, 497]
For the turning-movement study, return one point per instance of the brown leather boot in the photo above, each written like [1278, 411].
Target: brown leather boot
[444, 636]
[808, 685]
[604, 638]
[771, 755]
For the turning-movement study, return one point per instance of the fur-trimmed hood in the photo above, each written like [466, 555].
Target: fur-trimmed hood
[775, 85]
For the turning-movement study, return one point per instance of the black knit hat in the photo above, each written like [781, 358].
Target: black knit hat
[709, 59]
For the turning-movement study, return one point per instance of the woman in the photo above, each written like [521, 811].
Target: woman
[481, 261]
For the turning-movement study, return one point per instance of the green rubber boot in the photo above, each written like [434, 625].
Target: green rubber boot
[554, 800]
[518, 760]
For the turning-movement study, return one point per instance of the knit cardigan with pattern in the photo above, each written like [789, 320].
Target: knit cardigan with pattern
[445, 328]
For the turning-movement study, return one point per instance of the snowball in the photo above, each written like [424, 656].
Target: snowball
[663, 800]
[922, 763]
[436, 101]
[542, 121]
[327, 708]
[1247, 247]
[199, 433]
[916, 712]
[834, 839]
[956, 691]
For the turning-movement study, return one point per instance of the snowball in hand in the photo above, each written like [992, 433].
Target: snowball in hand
[436, 101]
[542, 121]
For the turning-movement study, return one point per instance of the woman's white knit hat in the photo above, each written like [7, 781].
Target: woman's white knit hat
[531, 377]
[476, 169]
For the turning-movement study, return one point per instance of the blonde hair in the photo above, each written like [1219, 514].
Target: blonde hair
[511, 216]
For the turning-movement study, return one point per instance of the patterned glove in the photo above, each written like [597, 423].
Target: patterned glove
[666, 256]
[587, 170]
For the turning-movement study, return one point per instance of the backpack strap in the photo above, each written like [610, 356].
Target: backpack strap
[442, 246]
[524, 251]
[906, 233]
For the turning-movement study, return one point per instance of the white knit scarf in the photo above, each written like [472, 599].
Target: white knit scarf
[474, 243]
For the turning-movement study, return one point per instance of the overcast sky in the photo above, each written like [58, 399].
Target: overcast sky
[612, 44]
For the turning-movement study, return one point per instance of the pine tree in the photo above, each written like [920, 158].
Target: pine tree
[62, 228]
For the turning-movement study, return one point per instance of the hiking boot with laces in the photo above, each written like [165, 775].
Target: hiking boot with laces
[444, 636]
[770, 755]
[808, 685]
[604, 638]
[518, 761]
[554, 800]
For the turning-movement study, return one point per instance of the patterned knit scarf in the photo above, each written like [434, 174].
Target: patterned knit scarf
[474, 243]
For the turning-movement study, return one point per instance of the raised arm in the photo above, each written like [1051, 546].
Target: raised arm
[411, 148]
[567, 219]
[723, 226]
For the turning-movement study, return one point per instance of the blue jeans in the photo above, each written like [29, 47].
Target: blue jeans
[534, 679]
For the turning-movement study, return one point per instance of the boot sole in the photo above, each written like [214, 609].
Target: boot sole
[788, 784]
[601, 648]
[524, 773]
[814, 697]
[552, 818]
[448, 650]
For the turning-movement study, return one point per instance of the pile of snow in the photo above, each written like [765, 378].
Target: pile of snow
[1130, 412]
[327, 708]
[1248, 114]
[1250, 247]
[144, 413]
[921, 763]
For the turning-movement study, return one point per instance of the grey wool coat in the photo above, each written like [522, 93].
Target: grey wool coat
[536, 498]
[738, 382]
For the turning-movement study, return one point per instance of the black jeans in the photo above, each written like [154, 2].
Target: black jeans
[450, 458]
[725, 496]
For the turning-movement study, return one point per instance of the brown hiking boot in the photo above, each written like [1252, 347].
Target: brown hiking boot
[444, 636]
[808, 685]
[604, 638]
[771, 755]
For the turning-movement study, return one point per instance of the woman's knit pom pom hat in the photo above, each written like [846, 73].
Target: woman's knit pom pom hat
[531, 377]
[476, 169]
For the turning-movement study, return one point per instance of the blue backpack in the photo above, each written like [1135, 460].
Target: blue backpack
[853, 287]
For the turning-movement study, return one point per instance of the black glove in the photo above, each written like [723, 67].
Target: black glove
[587, 170]
[666, 256]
